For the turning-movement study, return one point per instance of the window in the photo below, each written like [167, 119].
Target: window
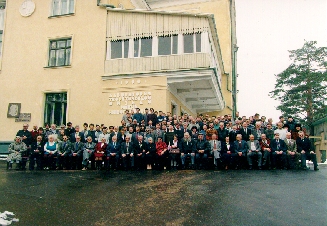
[192, 43]
[168, 45]
[62, 7]
[59, 53]
[188, 43]
[198, 42]
[55, 110]
[119, 49]
[146, 47]
[143, 47]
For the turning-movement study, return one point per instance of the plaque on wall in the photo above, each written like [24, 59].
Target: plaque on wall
[23, 117]
[13, 110]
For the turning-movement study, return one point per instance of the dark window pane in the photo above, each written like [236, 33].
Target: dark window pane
[116, 49]
[55, 109]
[126, 48]
[198, 42]
[146, 47]
[164, 47]
[175, 44]
[188, 43]
[136, 47]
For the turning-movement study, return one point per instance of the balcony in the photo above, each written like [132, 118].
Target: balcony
[156, 64]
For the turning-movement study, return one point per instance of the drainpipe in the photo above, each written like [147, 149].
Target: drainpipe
[234, 49]
[104, 5]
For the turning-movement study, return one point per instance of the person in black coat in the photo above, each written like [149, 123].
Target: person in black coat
[278, 149]
[37, 149]
[150, 152]
[228, 153]
[304, 147]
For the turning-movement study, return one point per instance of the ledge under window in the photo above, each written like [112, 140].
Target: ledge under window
[55, 67]
[62, 15]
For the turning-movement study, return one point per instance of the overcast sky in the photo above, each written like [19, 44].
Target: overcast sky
[266, 30]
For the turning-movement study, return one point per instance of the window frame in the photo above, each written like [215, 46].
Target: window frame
[171, 44]
[59, 39]
[70, 13]
[139, 50]
[195, 46]
[123, 42]
[63, 113]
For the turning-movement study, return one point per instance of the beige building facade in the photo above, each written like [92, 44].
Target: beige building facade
[88, 61]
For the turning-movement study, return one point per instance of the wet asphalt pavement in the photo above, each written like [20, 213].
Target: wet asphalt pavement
[165, 198]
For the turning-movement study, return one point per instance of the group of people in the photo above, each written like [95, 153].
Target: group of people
[157, 140]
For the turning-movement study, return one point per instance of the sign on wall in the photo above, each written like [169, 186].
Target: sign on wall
[128, 100]
[23, 117]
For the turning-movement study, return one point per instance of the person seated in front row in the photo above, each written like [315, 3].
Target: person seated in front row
[265, 148]
[278, 149]
[203, 149]
[88, 153]
[113, 153]
[188, 150]
[37, 149]
[228, 154]
[127, 153]
[77, 153]
[254, 151]
[64, 154]
[293, 156]
[15, 150]
[161, 153]
[99, 152]
[304, 147]
[174, 148]
[150, 153]
[50, 151]
[216, 150]
[139, 153]
[241, 147]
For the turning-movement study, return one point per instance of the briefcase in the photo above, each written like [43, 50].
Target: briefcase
[174, 151]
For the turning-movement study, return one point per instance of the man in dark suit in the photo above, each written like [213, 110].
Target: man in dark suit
[278, 149]
[64, 150]
[303, 146]
[222, 132]
[245, 131]
[188, 150]
[266, 150]
[203, 150]
[241, 148]
[76, 134]
[77, 156]
[228, 153]
[139, 153]
[113, 153]
[127, 153]
[232, 134]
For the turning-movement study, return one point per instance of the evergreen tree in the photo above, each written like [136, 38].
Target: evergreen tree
[301, 88]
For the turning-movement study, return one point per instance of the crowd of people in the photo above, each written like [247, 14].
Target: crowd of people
[158, 140]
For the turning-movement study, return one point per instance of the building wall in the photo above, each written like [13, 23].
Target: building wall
[221, 11]
[24, 78]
